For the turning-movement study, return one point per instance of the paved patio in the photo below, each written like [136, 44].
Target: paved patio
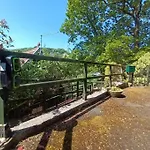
[117, 124]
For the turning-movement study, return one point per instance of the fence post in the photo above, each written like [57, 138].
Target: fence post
[90, 87]
[2, 124]
[77, 89]
[131, 78]
[4, 129]
[110, 77]
[72, 91]
[122, 74]
[85, 82]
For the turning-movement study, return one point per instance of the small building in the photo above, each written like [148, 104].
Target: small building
[35, 50]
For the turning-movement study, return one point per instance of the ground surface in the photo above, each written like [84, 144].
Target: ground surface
[117, 124]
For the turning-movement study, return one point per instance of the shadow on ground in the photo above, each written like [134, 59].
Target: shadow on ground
[66, 125]
[124, 124]
[121, 96]
[62, 126]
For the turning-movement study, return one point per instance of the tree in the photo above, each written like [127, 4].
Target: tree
[132, 16]
[91, 22]
[118, 50]
[84, 24]
[142, 62]
[5, 40]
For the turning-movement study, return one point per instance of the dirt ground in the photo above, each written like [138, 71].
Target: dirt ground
[117, 124]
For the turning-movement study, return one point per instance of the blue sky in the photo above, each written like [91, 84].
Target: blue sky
[28, 19]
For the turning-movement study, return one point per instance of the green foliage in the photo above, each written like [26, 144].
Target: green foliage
[91, 20]
[140, 81]
[116, 89]
[78, 54]
[142, 51]
[21, 49]
[114, 70]
[55, 52]
[142, 62]
[34, 71]
[118, 50]
[142, 67]
[107, 30]
[83, 26]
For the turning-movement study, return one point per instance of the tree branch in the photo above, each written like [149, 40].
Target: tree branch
[123, 8]
[140, 8]
[93, 27]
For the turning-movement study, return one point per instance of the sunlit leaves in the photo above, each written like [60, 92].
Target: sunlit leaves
[118, 50]
[87, 20]
[143, 60]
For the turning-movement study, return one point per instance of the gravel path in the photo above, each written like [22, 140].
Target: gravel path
[117, 124]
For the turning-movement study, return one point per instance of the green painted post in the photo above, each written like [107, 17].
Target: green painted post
[72, 91]
[90, 87]
[77, 89]
[85, 82]
[110, 77]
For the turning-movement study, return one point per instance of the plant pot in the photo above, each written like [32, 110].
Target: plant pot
[115, 93]
[123, 85]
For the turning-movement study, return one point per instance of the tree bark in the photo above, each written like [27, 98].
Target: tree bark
[135, 14]
[136, 32]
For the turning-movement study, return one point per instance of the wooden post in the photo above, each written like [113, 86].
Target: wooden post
[90, 87]
[131, 75]
[121, 71]
[132, 78]
[110, 77]
[77, 89]
[72, 91]
[85, 82]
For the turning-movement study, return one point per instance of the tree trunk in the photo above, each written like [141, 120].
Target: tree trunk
[136, 32]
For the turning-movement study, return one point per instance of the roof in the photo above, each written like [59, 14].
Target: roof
[32, 51]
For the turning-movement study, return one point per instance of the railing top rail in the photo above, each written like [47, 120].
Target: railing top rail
[49, 58]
